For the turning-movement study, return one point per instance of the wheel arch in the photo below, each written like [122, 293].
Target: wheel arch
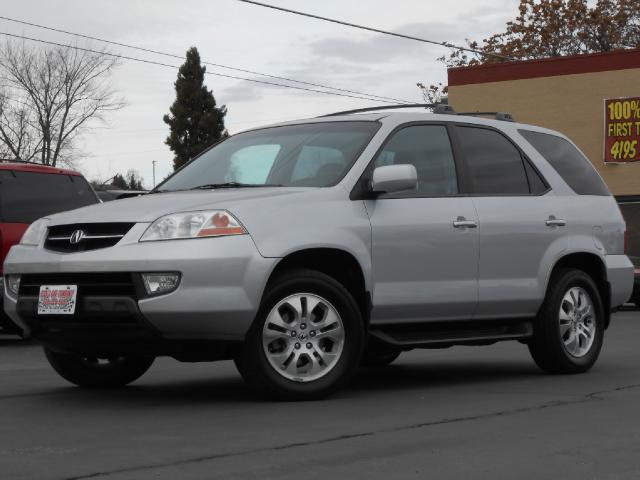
[339, 264]
[594, 266]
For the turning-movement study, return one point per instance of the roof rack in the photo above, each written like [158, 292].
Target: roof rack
[505, 117]
[440, 108]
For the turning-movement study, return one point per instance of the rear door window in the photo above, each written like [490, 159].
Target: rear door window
[495, 165]
[571, 165]
[27, 196]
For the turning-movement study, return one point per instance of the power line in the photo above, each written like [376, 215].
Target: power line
[218, 65]
[377, 30]
[224, 75]
[231, 123]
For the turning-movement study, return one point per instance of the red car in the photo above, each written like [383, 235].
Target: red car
[30, 191]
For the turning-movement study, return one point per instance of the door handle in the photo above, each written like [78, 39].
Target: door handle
[555, 222]
[462, 222]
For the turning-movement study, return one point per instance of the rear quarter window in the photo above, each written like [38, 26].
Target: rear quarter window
[574, 168]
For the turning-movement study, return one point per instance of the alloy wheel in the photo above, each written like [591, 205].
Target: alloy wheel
[303, 337]
[577, 322]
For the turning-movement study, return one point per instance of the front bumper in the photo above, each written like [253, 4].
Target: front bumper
[217, 299]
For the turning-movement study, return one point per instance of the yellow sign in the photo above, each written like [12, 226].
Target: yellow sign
[622, 130]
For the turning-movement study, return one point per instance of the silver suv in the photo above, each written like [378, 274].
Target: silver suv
[306, 249]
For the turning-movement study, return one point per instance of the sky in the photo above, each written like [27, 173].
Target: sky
[241, 35]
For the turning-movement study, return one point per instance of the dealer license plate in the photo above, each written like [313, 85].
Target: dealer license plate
[57, 299]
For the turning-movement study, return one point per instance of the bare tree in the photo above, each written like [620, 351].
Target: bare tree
[49, 98]
[434, 93]
[18, 138]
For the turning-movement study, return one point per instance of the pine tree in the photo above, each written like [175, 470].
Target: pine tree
[130, 181]
[134, 180]
[194, 120]
[119, 182]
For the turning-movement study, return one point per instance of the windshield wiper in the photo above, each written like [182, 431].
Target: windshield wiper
[213, 186]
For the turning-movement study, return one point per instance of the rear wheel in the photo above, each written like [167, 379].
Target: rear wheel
[307, 339]
[569, 330]
[88, 371]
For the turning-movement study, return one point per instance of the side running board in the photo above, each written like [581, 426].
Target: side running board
[446, 334]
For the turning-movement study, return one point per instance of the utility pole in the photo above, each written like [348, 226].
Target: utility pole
[153, 162]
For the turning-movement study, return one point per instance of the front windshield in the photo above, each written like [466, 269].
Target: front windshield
[306, 155]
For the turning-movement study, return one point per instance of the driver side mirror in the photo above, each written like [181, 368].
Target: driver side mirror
[394, 178]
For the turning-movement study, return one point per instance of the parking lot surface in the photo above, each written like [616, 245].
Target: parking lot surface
[464, 412]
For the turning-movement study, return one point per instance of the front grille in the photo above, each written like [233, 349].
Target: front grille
[88, 236]
[116, 284]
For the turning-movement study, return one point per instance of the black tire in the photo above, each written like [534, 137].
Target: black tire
[89, 372]
[546, 346]
[376, 356]
[252, 362]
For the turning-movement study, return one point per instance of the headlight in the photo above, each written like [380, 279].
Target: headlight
[35, 233]
[212, 223]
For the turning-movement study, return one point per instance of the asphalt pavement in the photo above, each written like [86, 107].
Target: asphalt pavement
[459, 413]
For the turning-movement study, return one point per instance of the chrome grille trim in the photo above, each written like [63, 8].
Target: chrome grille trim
[86, 237]
[80, 237]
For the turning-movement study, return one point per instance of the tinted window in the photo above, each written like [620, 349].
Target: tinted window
[428, 148]
[567, 160]
[307, 155]
[495, 165]
[26, 196]
[536, 182]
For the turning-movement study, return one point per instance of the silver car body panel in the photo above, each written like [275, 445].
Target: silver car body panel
[516, 248]
[416, 266]
[424, 269]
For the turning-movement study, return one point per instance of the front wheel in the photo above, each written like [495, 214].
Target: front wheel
[307, 339]
[569, 330]
[88, 371]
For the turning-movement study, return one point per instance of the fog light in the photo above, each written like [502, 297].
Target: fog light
[159, 283]
[13, 284]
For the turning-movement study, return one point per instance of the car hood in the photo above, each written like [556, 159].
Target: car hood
[148, 208]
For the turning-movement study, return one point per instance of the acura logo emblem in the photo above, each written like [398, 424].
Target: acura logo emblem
[76, 237]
